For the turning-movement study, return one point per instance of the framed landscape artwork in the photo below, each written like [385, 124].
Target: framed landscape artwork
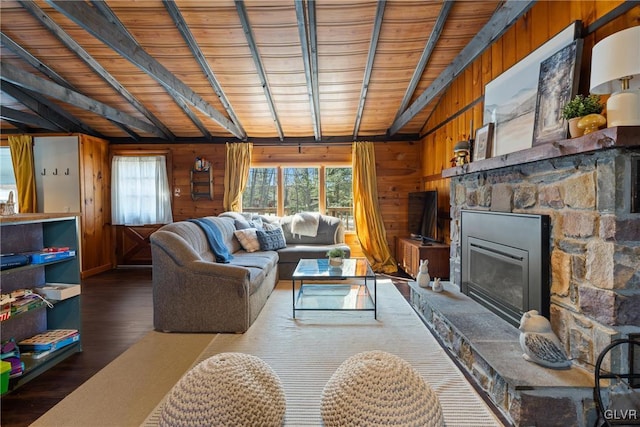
[556, 86]
[482, 144]
[510, 99]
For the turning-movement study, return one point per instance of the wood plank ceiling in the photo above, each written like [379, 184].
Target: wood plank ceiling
[221, 70]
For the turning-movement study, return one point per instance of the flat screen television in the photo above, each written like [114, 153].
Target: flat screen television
[423, 215]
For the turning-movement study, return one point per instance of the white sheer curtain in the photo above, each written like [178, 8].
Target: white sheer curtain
[140, 191]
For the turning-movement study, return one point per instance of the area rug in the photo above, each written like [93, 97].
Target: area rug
[307, 350]
[124, 392]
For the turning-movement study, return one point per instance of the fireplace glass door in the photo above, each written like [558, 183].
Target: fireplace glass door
[499, 277]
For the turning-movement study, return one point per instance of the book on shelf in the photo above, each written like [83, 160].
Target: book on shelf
[26, 303]
[43, 257]
[50, 340]
[13, 260]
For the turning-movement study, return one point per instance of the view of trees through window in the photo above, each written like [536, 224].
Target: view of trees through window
[302, 189]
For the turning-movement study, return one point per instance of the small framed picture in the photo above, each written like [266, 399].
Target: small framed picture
[482, 144]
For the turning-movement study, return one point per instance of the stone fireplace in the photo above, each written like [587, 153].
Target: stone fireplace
[588, 188]
[595, 239]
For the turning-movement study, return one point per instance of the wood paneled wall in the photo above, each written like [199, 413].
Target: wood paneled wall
[95, 188]
[182, 159]
[398, 167]
[463, 100]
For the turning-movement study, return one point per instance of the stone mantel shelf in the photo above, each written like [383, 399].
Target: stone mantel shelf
[614, 137]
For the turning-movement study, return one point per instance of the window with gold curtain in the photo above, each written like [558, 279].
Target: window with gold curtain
[236, 174]
[22, 159]
[369, 225]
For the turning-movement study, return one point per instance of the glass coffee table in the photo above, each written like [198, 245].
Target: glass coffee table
[352, 286]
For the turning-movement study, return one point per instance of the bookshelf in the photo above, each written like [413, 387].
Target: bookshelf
[32, 232]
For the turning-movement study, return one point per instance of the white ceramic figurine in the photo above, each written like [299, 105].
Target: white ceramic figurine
[423, 277]
[539, 344]
[437, 286]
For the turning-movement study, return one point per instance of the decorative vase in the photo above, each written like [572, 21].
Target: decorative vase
[574, 130]
[335, 261]
[591, 123]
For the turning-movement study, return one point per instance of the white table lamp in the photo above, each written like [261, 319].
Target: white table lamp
[615, 69]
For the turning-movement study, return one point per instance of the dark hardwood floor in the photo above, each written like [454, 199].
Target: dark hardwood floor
[116, 312]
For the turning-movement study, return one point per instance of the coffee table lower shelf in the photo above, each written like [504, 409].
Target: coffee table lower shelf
[333, 297]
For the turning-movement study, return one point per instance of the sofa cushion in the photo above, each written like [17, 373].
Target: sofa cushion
[330, 231]
[265, 260]
[271, 240]
[293, 253]
[248, 239]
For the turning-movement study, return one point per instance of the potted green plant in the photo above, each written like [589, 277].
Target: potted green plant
[579, 107]
[336, 256]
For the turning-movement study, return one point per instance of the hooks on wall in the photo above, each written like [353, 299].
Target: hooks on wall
[55, 172]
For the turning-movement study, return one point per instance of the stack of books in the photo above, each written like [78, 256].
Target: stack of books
[47, 342]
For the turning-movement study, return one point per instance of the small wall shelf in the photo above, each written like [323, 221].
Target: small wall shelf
[202, 184]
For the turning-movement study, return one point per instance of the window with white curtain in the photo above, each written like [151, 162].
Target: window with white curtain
[140, 190]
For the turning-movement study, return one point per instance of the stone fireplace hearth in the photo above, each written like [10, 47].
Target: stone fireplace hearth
[588, 187]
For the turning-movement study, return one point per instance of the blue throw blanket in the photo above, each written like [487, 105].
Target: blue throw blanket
[214, 236]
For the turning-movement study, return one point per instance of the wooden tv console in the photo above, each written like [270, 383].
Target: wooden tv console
[409, 252]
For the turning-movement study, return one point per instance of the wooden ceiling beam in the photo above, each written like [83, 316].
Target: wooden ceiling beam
[287, 142]
[306, 19]
[500, 22]
[244, 19]
[48, 110]
[447, 5]
[94, 22]
[108, 14]
[15, 75]
[92, 63]
[17, 116]
[191, 115]
[188, 37]
[373, 46]
[32, 60]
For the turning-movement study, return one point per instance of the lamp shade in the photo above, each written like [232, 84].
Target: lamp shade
[613, 58]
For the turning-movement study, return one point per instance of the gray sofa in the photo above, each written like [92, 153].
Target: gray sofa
[192, 292]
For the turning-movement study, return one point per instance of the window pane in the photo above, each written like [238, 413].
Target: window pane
[261, 193]
[140, 190]
[339, 195]
[301, 190]
[7, 179]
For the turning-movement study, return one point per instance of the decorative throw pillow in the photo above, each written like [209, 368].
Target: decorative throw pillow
[268, 226]
[248, 239]
[271, 240]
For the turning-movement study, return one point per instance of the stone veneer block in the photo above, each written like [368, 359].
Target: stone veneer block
[502, 198]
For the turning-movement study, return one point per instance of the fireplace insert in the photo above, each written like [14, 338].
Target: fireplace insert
[505, 262]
